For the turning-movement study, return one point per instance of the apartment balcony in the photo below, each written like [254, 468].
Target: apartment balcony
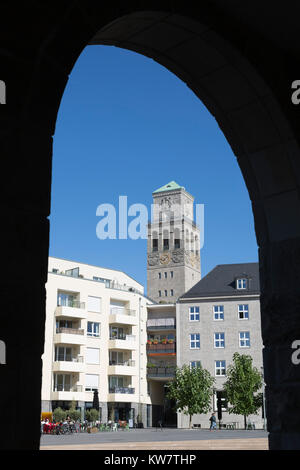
[69, 336]
[123, 316]
[161, 349]
[161, 373]
[126, 342]
[74, 392]
[74, 309]
[155, 324]
[121, 394]
[74, 364]
[122, 368]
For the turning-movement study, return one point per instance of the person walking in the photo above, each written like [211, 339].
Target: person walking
[213, 422]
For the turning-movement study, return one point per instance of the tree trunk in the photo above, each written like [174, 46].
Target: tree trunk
[190, 425]
[245, 421]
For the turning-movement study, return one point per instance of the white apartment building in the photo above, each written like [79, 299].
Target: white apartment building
[95, 339]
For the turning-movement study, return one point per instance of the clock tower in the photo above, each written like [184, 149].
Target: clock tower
[173, 249]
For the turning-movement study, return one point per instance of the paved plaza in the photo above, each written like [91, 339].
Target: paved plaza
[166, 439]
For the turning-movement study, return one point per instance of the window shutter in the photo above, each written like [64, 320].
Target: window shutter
[91, 381]
[92, 356]
[94, 304]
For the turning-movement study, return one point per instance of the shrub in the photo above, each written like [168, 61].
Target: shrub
[59, 414]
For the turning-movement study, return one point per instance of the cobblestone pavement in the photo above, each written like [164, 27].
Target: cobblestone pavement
[167, 439]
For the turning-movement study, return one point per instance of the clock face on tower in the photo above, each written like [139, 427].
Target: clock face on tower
[165, 258]
[166, 203]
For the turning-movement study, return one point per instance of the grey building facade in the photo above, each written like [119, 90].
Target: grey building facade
[217, 317]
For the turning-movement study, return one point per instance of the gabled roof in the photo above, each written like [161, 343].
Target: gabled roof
[168, 187]
[221, 281]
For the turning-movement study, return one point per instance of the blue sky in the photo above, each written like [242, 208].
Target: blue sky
[127, 126]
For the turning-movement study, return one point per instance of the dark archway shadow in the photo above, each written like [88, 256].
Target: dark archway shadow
[231, 64]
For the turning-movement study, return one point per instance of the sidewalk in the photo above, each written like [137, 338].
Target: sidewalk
[224, 444]
[168, 439]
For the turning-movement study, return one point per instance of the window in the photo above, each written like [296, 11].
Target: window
[159, 275]
[159, 293]
[194, 364]
[177, 243]
[116, 358]
[66, 300]
[92, 356]
[62, 383]
[171, 274]
[219, 340]
[244, 339]
[166, 293]
[63, 353]
[93, 329]
[220, 368]
[166, 275]
[166, 244]
[94, 304]
[63, 324]
[194, 313]
[91, 382]
[72, 272]
[171, 292]
[115, 382]
[241, 283]
[243, 312]
[155, 244]
[117, 307]
[116, 332]
[218, 312]
[195, 341]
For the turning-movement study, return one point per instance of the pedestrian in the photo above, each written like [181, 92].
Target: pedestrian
[213, 422]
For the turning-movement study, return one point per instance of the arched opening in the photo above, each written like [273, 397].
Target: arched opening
[259, 134]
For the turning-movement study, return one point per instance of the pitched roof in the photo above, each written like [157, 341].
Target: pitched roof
[221, 281]
[168, 187]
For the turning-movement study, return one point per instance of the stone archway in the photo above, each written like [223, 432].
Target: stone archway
[242, 73]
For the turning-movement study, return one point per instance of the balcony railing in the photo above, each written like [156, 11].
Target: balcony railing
[67, 388]
[161, 348]
[60, 358]
[161, 371]
[122, 336]
[121, 311]
[161, 324]
[129, 363]
[121, 390]
[72, 304]
[70, 331]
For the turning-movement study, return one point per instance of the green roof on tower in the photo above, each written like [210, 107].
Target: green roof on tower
[169, 187]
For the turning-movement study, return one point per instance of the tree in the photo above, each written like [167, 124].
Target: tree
[92, 415]
[96, 400]
[243, 381]
[59, 414]
[191, 389]
[73, 412]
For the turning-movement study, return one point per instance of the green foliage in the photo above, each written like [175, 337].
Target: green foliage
[192, 389]
[74, 414]
[243, 381]
[92, 415]
[59, 414]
